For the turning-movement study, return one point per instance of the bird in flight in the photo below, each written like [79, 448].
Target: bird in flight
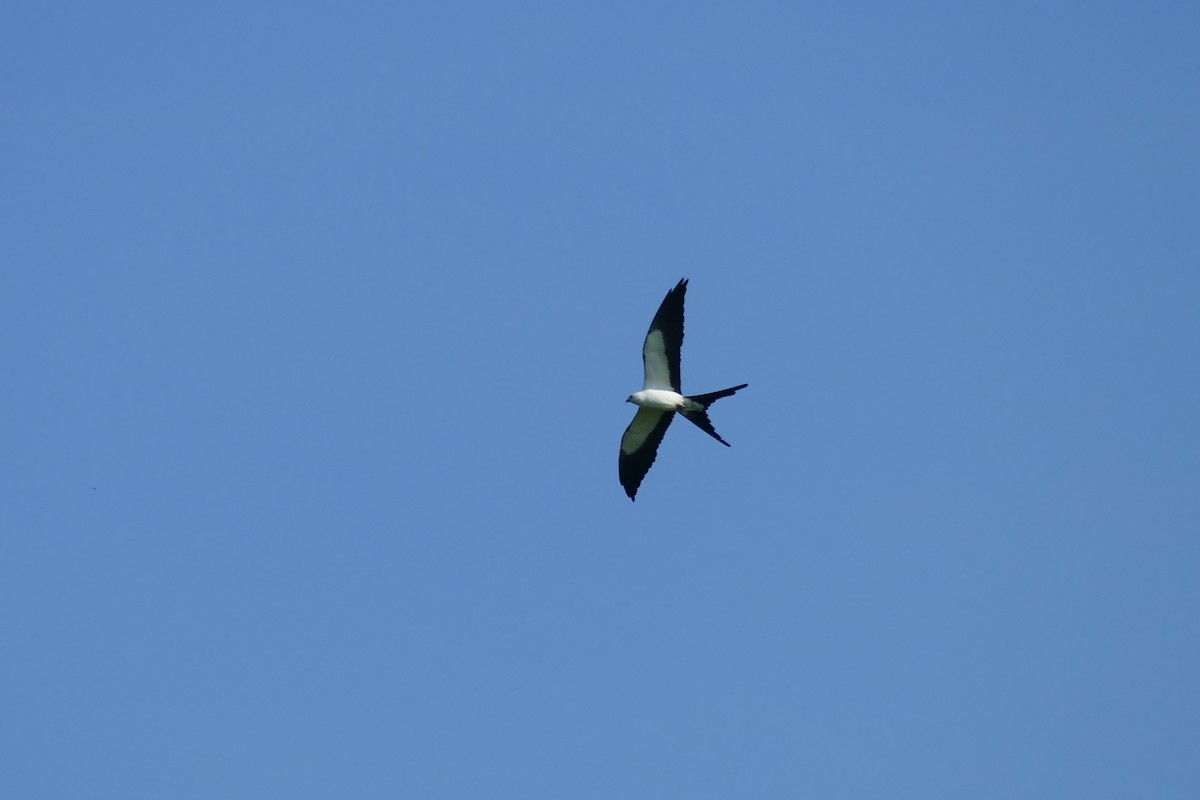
[660, 397]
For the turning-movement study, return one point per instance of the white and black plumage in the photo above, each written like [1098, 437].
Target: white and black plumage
[660, 398]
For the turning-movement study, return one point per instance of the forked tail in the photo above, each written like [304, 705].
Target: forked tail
[700, 418]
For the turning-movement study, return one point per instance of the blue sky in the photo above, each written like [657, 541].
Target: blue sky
[318, 324]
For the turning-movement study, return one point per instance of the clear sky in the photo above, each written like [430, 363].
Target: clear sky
[317, 324]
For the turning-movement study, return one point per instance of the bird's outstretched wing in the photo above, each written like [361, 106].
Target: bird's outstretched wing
[640, 444]
[660, 351]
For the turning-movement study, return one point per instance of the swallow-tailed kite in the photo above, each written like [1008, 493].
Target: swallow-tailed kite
[660, 397]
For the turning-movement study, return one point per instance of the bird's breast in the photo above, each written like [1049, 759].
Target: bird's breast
[658, 398]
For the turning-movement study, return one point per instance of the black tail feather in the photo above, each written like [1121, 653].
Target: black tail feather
[701, 421]
[708, 399]
[700, 418]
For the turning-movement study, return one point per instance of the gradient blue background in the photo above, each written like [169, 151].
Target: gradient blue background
[318, 322]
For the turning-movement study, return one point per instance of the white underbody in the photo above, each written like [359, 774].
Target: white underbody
[663, 400]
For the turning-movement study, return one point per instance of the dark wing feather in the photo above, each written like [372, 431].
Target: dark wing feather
[639, 446]
[669, 323]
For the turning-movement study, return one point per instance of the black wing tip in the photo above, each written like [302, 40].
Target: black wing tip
[672, 303]
[632, 483]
